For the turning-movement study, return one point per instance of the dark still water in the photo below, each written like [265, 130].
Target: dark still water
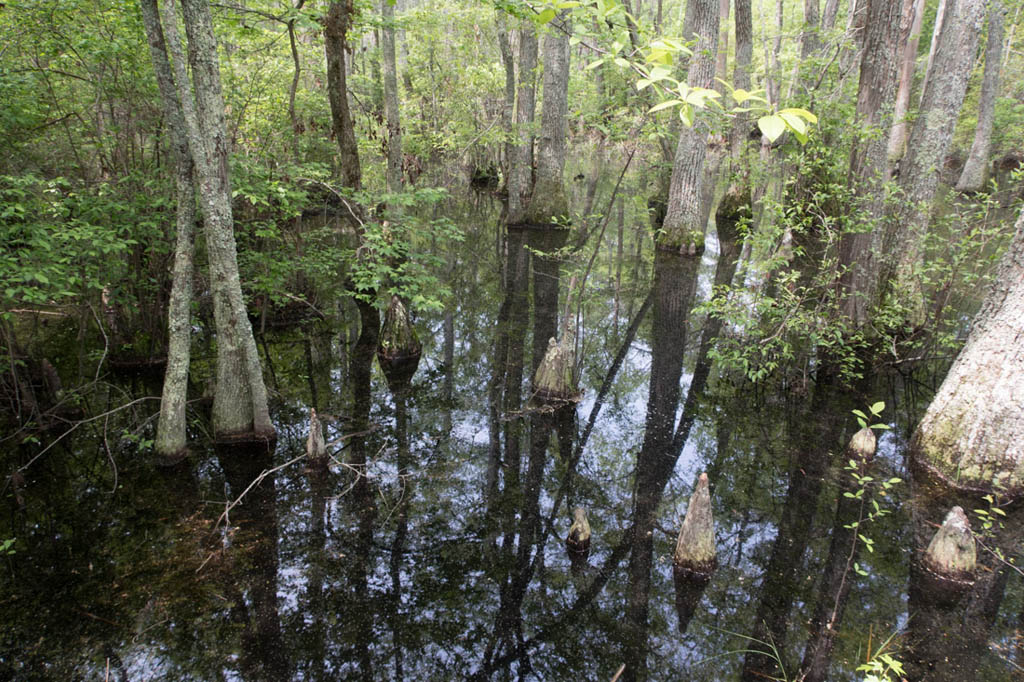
[431, 543]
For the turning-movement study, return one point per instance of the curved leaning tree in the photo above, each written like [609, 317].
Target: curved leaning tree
[972, 436]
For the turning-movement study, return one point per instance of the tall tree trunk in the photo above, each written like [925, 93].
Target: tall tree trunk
[394, 170]
[972, 435]
[855, 25]
[171, 439]
[240, 397]
[908, 62]
[739, 134]
[297, 126]
[722, 64]
[340, 16]
[682, 229]
[868, 169]
[509, 106]
[521, 173]
[975, 173]
[940, 22]
[828, 16]
[548, 202]
[810, 38]
[929, 141]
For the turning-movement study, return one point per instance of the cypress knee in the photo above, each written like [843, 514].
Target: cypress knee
[577, 543]
[947, 566]
[694, 560]
[554, 382]
[316, 448]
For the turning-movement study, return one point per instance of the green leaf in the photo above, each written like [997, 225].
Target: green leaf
[664, 105]
[686, 115]
[877, 407]
[659, 56]
[624, 63]
[802, 113]
[594, 64]
[771, 126]
[659, 73]
[795, 123]
[546, 16]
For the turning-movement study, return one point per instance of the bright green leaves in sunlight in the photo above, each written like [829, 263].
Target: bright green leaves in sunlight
[548, 14]
[394, 251]
[793, 119]
[876, 412]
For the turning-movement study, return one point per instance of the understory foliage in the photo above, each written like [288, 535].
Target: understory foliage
[782, 312]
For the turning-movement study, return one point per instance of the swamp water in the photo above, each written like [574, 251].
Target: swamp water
[429, 545]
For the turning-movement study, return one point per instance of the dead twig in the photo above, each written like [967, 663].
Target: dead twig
[255, 482]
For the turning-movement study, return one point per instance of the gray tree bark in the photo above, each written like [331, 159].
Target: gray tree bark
[908, 63]
[739, 134]
[509, 107]
[548, 201]
[810, 38]
[171, 440]
[868, 169]
[940, 22]
[972, 435]
[339, 19]
[682, 228]
[240, 397]
[521, 171]
[828, 16]
[929, 141]
[975, 172]
[394, 169]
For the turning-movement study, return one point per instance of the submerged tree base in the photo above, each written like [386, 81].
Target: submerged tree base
[931, 475]
[228, 443]
[173, 458]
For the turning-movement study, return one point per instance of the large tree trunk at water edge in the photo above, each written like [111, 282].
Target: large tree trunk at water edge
[682, 228]
[240, 399]
[972, 435]
[548, 203]
[521, 163]
[859, 266]
[171, 437]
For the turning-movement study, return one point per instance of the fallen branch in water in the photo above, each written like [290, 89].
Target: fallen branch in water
[267, 472]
